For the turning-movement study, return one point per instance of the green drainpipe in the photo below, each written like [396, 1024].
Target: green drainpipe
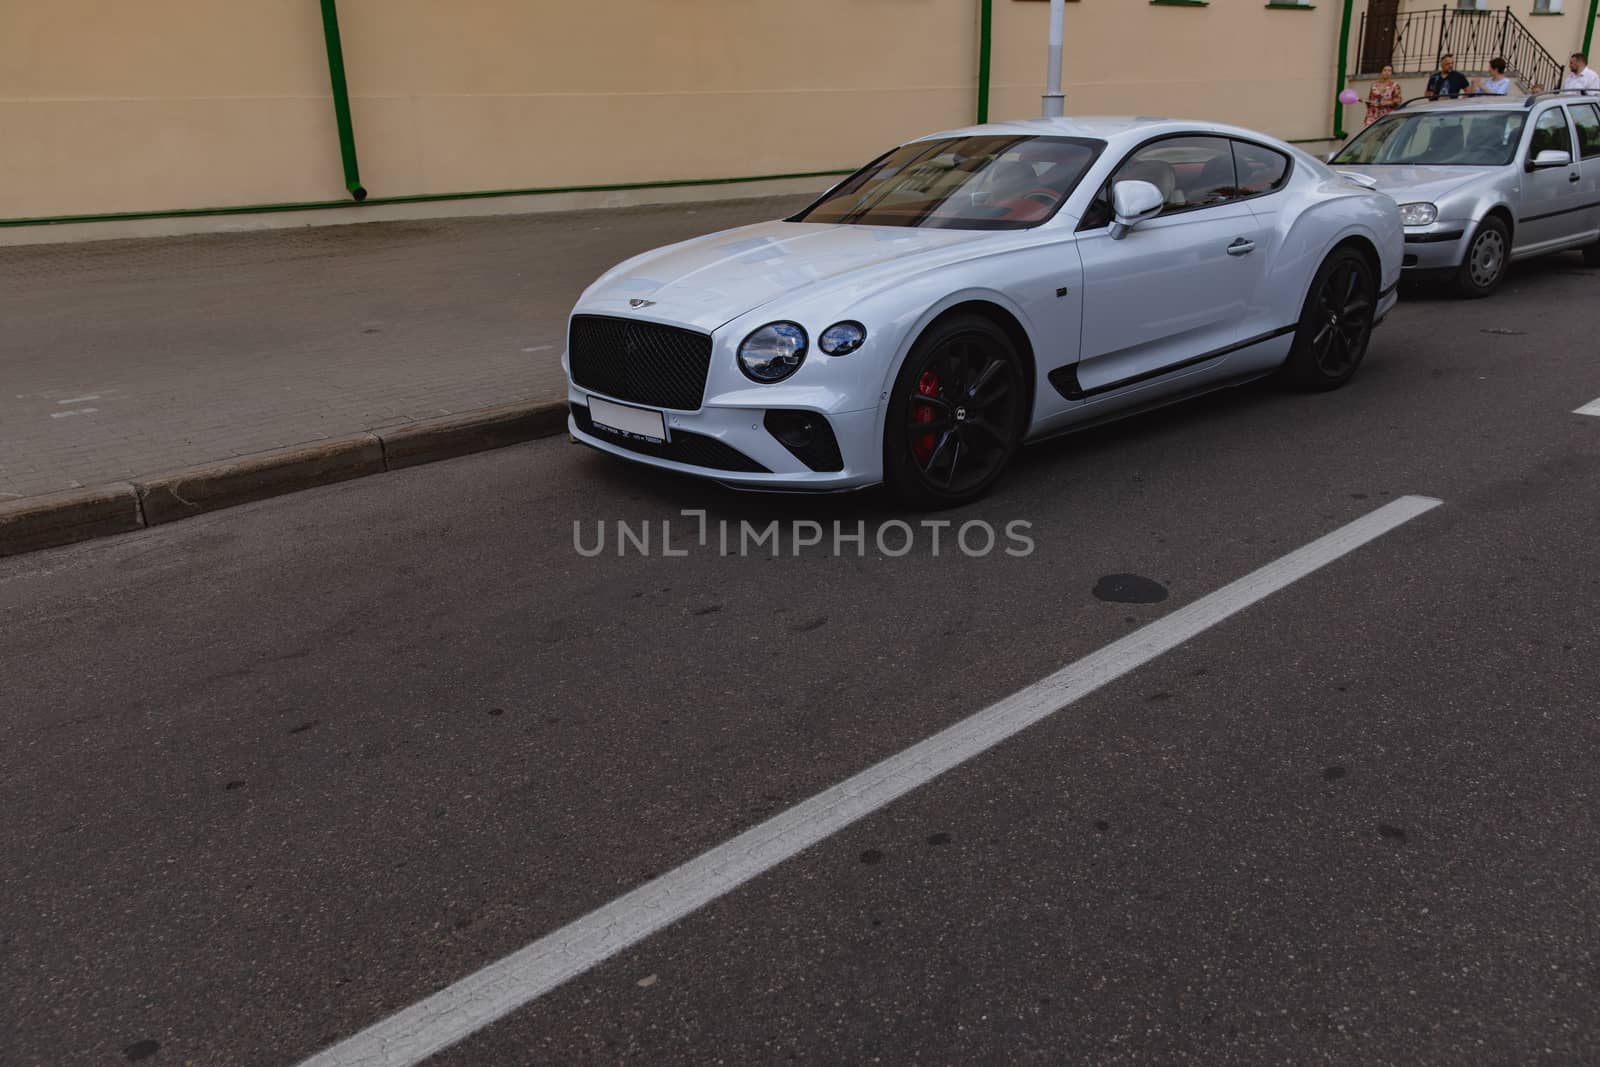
[341, 100]
[1588, 29]
[985, 25]
[1338, 74]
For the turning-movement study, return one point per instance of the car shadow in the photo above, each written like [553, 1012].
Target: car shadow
[1543, 270]
[1049, 467]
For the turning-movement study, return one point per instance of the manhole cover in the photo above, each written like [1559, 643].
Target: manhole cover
[1129, 589]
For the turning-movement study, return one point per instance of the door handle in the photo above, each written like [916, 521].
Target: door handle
[1572, 177]
[1241, 247]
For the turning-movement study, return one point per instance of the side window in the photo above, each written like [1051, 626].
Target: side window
[1191, 172]
[1551, 133]
[1260, 170]
[1587, 118]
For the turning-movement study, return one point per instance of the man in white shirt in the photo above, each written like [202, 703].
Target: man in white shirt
[1580, 76]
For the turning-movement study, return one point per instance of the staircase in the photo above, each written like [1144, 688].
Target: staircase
[1418, 38]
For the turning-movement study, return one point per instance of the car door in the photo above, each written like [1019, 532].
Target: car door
[1173, 293]
[1586, 123]
[1553, 201]
[1263, 180]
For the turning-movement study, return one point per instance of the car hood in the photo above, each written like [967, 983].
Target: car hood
[714, 279]
[1420, 184]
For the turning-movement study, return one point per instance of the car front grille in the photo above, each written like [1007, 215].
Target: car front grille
[639, 362]
[694, 449]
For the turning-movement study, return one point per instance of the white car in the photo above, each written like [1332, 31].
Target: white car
[976, 289]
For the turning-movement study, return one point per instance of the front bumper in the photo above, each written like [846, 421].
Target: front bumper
[732, 445]
[1441, 246]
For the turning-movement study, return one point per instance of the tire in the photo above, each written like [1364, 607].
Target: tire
[1591, 255]
[1335, 323]
[957, 414]
[1483, 268]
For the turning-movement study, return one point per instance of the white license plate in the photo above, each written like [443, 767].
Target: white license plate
[637, 423]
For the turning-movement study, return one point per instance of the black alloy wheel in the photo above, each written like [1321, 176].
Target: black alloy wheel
[1335, 323]
[956, 415]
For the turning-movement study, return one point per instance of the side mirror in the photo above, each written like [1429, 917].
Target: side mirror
[1133, 202]
[1550, 157]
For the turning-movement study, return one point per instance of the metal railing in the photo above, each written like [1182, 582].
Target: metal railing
[1413, 41]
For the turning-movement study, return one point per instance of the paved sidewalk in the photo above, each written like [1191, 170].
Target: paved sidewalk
[126, 358]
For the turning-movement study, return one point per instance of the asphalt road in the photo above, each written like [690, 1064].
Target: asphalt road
[272, 774]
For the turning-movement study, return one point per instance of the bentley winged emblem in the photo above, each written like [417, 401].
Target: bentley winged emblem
[635, 302]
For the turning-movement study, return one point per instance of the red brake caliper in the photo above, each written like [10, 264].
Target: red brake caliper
[927, 385]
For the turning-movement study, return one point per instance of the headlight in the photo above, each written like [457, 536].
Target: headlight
[1418, 214]
[842, 338]
[773, 352]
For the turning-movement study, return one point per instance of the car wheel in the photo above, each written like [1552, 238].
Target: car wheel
[956, 414]
[1335, 323]
[1591, 255]
[1484, 266]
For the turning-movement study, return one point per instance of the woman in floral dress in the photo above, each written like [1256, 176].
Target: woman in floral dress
[1384, 97]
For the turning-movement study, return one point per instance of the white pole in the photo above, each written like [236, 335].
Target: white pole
[1052, 90]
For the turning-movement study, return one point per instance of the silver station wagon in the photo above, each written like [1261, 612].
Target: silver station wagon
[1483, 181]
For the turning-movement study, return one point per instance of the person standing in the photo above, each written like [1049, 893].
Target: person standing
[1384, 96]
[1447, 80]
[1580, 76]
[1496, 84]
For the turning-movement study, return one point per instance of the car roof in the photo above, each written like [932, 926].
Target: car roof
[1487, 102]
[1490, 102]
[1113, 128]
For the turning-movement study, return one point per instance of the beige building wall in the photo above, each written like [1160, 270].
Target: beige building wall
[1560, 35]
[139, 106]
[178, 104]
[166, 105]
[1233, 61]
[499, 94]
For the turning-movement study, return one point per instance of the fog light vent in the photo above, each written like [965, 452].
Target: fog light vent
[807, 436]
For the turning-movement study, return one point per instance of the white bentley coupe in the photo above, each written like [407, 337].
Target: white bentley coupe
[972, 290]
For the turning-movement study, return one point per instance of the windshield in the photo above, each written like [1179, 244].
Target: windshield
[961, 183]
[1452, 139]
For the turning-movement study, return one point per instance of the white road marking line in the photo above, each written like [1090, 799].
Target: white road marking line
[1591, 408]
[69, 414]
[80, 399]
[413, 1034]
[539, 348]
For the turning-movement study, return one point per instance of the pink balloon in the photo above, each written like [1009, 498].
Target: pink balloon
[1349, 96]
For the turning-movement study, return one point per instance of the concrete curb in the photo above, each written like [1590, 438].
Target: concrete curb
[475, 431]
[74, 515]
[179, 494]
[81, 514]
